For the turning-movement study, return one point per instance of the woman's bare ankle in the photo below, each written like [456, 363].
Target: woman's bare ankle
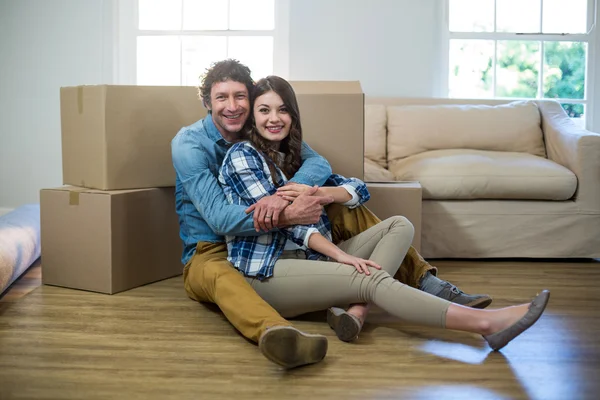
[360, 311]
[505, 318]
[486, 326]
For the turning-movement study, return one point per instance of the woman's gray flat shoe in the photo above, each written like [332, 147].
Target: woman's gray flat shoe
[500, 339]
[346, 326]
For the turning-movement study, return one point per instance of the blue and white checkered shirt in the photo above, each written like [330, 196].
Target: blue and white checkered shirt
[246, 178]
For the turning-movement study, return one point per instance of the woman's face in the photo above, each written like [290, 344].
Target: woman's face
[272, 119]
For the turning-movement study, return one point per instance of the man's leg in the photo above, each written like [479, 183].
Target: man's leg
[414, 270]
[209, 277]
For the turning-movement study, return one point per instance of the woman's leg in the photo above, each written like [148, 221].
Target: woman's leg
[414, 270]
[385, 243]
[347, 223]
[382, 243]
[301, 286]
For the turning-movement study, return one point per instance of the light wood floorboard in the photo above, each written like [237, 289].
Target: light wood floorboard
[154, 343]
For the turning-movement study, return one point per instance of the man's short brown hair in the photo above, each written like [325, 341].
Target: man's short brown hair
[222, 71]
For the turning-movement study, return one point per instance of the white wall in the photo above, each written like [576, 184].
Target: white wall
[44, 44]
[391, 46]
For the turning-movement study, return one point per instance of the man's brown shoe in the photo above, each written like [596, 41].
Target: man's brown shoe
[291, 348]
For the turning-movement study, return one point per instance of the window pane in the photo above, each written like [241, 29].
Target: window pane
[205, 14]
[471, 68]
[518, 15]
[256, 52]
[565, 16]
[252, 14]
[471, 16]
[158, 60]
[564, 69]
[159, 14]
[517, 68]
[199, 52]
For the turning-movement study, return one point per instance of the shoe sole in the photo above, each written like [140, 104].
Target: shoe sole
[480, 303]
[346, 328]
[291, 348]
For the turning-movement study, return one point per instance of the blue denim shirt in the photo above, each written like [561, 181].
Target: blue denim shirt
[204, 213]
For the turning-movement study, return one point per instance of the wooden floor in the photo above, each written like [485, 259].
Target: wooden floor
[154, 343]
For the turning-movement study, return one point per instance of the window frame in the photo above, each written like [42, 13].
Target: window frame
[590, 71]
[126, 32]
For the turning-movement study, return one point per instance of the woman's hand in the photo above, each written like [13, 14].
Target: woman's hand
[292, 190]
[361, 265]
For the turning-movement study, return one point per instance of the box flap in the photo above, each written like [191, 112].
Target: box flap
[327, 87]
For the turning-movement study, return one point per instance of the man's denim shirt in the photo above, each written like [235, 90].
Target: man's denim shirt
[204, 213]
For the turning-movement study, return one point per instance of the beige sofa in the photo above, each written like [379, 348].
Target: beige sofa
[499, 178]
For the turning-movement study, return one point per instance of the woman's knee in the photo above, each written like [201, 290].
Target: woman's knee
[378, 275]
[372, 282]
[401, 225]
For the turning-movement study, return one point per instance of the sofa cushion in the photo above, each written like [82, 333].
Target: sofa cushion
[376, 173]
[376, 133]
[479, 174]
[513, 127]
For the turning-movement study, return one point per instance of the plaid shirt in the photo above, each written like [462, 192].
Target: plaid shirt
[246, 178]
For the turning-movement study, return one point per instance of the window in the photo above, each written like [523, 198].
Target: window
[172, 42]
[518, 49]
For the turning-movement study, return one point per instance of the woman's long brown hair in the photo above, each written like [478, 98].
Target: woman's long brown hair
[291, 146]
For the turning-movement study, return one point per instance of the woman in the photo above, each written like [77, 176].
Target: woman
[359, 270]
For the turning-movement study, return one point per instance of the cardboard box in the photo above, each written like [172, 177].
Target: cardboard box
[398, 198]
[332, 114]
[109, 241]
[119, 137]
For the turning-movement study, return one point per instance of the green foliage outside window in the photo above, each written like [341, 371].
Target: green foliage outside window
[518, 71]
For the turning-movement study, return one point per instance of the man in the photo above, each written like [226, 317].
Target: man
[205, 217]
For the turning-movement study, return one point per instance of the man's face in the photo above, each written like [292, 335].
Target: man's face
[230, 107]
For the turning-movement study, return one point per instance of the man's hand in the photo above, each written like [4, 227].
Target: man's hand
[292, 190]
[306, 209]
[266, 212]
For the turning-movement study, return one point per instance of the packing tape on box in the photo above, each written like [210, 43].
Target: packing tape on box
[74, 195]
[80, 99]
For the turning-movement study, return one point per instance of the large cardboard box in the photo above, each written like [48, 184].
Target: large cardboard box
[119, 137]
[398, 198]
[332, 114]
[108, 241]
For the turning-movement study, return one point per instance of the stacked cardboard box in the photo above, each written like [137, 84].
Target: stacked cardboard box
[114, 226]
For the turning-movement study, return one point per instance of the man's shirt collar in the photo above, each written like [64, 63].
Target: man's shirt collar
[213, 133]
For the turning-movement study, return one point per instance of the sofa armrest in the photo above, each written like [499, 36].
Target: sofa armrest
[574, 148]
[389, 199]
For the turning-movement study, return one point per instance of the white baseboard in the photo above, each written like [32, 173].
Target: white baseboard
[4, 210]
